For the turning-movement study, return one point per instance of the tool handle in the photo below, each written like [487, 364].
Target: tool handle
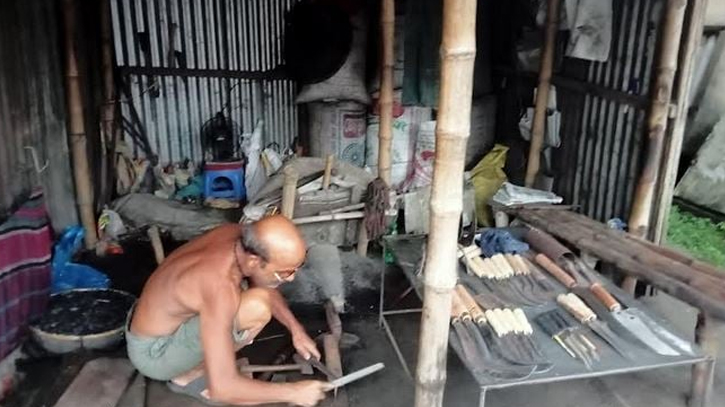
[513, 264]
[470, 304]
[457, 307]
[476, 264]
[503, 265]
[467, 255]
[605, 297]
[523, 321]
[495, 323]
[576, 307]
[506, 326]
[512, 321]
[521, 263]
[556, 271]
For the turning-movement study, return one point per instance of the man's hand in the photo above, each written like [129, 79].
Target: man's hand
[308, 393]
[304, 345]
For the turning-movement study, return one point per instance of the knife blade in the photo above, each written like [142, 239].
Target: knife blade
[632, 322]
[356, 375]
[322, 368]
[575, 306]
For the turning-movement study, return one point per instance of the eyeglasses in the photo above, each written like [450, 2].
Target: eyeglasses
[285, 274]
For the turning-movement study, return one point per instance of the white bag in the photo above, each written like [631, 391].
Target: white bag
[254, 176]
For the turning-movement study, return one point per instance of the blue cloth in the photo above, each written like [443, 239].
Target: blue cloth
[500, 241]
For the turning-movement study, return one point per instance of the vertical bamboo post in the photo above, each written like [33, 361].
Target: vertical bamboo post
[542, 93]
[659, 111]
[289, 191]
[76, 128]
[108, 109]
[385, 136]
[707, 335]
[673, 143]
[458, 51]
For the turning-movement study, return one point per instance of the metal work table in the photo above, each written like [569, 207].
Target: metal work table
[407, 251]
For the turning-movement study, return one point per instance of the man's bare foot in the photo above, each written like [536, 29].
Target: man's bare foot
[189, 376]
[194, 374]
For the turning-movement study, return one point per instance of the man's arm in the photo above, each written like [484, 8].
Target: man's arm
[304, 345]
[225, 384]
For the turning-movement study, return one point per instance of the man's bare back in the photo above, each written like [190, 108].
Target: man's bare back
[172, 294]
[193, 314]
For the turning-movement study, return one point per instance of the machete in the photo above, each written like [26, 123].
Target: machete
[597, 294]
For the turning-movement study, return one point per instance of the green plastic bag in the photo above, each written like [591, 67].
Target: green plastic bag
[487, 177]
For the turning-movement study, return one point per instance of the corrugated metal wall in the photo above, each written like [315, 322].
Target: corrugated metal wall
[186, 60]
[32, 109]
[603, 112]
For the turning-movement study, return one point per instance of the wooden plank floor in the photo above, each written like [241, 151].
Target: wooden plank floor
[100, 383]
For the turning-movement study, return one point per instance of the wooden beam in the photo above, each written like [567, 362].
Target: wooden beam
[458, 51]
[583, 87]
[275, 73]
[542, 93]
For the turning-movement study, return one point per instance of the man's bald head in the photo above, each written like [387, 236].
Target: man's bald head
[274, 239]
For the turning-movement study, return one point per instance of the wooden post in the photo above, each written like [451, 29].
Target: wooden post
[673, 143]
[659, 110]
[108, 109]
[538, 129]
[385, 136]
[458, 51]
[327, 175]
[707, 333]
[156, 244]
[289, 191]
[76, 128]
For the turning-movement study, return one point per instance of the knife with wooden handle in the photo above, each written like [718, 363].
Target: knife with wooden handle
[554, 269]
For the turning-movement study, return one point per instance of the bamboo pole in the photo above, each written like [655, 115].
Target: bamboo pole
[385, 136]
[673, 143]
[542, 93]
[76, 128]
[668, 49]
[108, 109]
[458, 51]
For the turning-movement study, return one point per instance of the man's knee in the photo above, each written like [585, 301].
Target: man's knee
[254, 309]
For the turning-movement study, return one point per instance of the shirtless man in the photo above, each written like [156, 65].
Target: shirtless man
[194, 313]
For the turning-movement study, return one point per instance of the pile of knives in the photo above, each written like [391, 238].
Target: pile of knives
[504, 280]
[594, 306]
[497, 343]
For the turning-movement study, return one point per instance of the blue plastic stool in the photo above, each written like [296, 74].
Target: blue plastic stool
[224, 180]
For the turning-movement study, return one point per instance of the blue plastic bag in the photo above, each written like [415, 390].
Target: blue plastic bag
[67, 275]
